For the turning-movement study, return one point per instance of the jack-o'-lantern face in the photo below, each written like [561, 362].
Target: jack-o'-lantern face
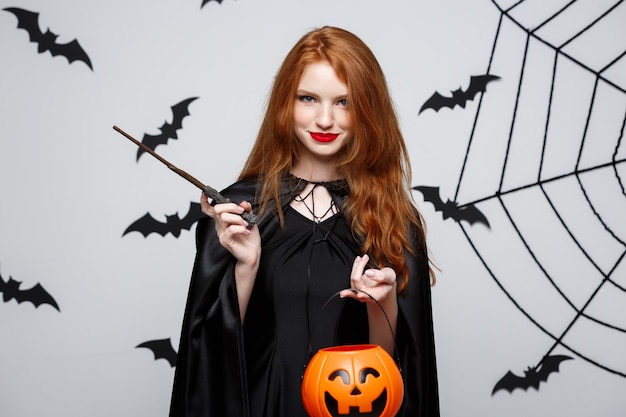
[346, 390]
[359, 380]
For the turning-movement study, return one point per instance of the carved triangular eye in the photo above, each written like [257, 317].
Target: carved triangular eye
[367, 371]
[341, 373]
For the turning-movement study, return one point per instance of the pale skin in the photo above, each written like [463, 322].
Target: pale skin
[320, 106]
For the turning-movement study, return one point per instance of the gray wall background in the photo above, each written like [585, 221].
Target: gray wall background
[541, 157]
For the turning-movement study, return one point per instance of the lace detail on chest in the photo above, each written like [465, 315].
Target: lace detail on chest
[309, 203]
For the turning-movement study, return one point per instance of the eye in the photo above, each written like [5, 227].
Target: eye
[340, 373]
[343, 102]
[368, 371]
[306, 99]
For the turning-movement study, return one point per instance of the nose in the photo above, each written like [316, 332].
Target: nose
[325, 117]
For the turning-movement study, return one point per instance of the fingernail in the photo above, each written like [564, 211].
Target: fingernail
[369, 273]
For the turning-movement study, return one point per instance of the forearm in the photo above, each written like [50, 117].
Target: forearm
[245, 276]
[379, 331]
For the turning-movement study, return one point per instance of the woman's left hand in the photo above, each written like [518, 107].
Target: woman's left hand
[379, 283]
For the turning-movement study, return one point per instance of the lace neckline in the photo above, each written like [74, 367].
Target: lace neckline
[316, 215]
[337, 188]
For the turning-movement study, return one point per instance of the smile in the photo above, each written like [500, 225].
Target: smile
[324, 137]
[378, 406]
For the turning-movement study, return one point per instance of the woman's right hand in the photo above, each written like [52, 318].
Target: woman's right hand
[232, 230]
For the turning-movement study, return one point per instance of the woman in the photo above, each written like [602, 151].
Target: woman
[329, 177]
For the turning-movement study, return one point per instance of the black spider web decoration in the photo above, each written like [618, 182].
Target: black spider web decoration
[555, 195]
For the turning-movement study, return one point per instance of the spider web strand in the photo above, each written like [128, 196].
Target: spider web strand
[528, 316]
[514, 118]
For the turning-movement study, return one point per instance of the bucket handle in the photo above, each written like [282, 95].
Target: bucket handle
[395, 345]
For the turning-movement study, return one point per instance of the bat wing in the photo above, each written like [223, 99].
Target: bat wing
[152, 141]
[36, 295]
[146, 225]
[29, 21]
[179, 112]
[431, 194]
[193, 215]
[436, 102]
[206, 1]
[162, 349]
[478, 84]
[509, 382]
[72, 51]
[470, 214]
[168, 130]
[176, 224]
[549, 365]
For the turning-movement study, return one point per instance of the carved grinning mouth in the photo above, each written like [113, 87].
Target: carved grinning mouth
[378, 406]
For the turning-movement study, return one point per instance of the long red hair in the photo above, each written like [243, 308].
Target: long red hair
[375, 160]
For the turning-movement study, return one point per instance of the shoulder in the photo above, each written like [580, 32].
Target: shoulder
[246, 187]
[242, 190]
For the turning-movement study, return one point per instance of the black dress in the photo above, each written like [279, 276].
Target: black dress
[224, 369]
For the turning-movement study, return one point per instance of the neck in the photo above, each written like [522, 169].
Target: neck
[318, 172]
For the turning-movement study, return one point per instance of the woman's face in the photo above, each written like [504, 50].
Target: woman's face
[320, 117]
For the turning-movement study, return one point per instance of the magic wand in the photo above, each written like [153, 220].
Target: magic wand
[210, 192]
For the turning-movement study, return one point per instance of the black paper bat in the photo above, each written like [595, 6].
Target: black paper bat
[478, 84]
[162, 349]
[168, 130]
[451, 209]
[36, 295]
[533, 376]
[173, 224]
[29, 21]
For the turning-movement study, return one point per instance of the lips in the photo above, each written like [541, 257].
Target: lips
[324, 137]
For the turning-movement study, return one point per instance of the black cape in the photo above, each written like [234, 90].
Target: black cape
[225, 369]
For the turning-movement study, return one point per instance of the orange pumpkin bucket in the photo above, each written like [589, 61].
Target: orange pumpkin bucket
[354, 380]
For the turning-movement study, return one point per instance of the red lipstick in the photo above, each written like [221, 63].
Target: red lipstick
[323, 137]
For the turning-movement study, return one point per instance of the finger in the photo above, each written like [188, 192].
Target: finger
[349, 293]
[378, 276]
[356, 295]
[229, 218]
[224, 218]
[371, 278]
[223, 208]
[246, 206]
[205, 206]
[352, 293]
[360, 262]
[387, 276]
